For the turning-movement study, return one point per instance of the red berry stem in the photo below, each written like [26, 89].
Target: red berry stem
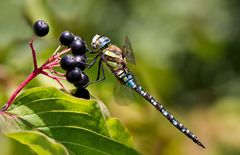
[56, 78]
[58, 48]
[19, 88]
[57, 73]
[52, 62]
[33, 54]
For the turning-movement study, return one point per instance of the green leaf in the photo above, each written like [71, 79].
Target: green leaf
[51, 122]
[114, 127]
[39, 143]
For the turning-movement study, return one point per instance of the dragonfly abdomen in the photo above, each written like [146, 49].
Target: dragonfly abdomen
[125, 78]
[129, 81]
[166, 114]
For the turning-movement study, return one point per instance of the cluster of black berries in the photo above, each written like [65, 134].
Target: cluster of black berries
[74, 64]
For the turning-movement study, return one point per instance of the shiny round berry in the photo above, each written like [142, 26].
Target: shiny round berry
[41, 28]
[68, 62]
[74, 75]
[78, 47]
[83, 82]
[66, 38]
[82, 93]
[81, 61]
[77, 38]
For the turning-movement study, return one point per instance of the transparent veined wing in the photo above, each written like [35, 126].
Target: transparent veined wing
[123, 95]
[128, 51]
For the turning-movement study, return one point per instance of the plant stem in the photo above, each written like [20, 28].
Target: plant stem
[33, 54]
[52, 62]
[20, 87]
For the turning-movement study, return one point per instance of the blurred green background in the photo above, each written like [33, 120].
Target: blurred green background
[187, 55]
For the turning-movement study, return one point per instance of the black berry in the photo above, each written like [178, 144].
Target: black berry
[68, 62]
[41, 28]
[82, 93]
[77, 38]
[78, 47]
[66, 38]
[83, 82]
[81, 61]
[74, 75]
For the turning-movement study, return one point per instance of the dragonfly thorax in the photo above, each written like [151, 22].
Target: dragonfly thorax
[99, 42]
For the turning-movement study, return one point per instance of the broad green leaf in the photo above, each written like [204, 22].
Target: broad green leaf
[114, 127]
[39, 143]
[47, 116]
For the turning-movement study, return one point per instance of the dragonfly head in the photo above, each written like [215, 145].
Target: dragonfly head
[99, 42]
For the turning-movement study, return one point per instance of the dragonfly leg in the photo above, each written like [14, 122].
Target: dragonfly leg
[93, 62]
[100, 69]
[100, 66]
[91, 52]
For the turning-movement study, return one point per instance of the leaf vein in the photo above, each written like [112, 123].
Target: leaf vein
[91, 148]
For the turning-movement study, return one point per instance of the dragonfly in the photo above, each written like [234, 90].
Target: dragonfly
[116, 60]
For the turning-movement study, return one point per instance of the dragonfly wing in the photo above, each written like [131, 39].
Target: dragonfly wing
[128, 52]
[123, 95]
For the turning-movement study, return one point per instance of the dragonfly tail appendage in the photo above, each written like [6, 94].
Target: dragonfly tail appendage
[166, 114]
